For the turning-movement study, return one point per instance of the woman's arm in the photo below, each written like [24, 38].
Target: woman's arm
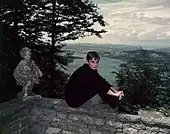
[116, 93]
[109, 88]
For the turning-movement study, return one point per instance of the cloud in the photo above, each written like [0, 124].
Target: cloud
[165, 3]
[133, 21]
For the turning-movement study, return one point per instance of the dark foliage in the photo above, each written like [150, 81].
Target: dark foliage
[144, 78]
[43, 25]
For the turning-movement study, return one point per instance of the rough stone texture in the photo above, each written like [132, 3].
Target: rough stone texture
[53, 116]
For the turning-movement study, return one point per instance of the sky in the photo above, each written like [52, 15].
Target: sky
[133, 22]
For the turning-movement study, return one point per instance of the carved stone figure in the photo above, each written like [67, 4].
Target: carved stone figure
[27, 73]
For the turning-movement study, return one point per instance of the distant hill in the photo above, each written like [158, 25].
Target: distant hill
[102, 47]
[165, 49]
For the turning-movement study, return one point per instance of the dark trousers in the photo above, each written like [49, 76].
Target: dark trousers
[113, 101]
[122, 105]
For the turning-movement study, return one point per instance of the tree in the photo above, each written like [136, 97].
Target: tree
[65, 21]
[144, 78]
[10, 16]
[27, 22]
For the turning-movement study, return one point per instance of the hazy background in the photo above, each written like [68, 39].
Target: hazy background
[130, 24]
[134, 22]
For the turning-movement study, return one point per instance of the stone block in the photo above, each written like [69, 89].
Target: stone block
[95, 132]
[61, 115]
[52, 130]
[114, 124]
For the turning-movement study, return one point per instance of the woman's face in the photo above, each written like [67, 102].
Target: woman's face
[93, 63]
[27, 55]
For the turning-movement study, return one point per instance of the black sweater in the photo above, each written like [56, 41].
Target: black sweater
[83, 84]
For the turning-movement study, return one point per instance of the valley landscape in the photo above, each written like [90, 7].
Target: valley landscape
[111, 57]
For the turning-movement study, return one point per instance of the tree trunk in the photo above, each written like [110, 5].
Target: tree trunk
[52, 66]
[53, 25]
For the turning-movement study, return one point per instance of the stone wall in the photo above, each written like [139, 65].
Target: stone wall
[53, 116]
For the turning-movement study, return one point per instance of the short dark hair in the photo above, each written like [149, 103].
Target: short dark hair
[92, 54]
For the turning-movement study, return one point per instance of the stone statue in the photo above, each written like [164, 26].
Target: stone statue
[27, 73]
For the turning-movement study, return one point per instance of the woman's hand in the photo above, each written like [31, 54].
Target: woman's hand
[116, 93]
[119, 94]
